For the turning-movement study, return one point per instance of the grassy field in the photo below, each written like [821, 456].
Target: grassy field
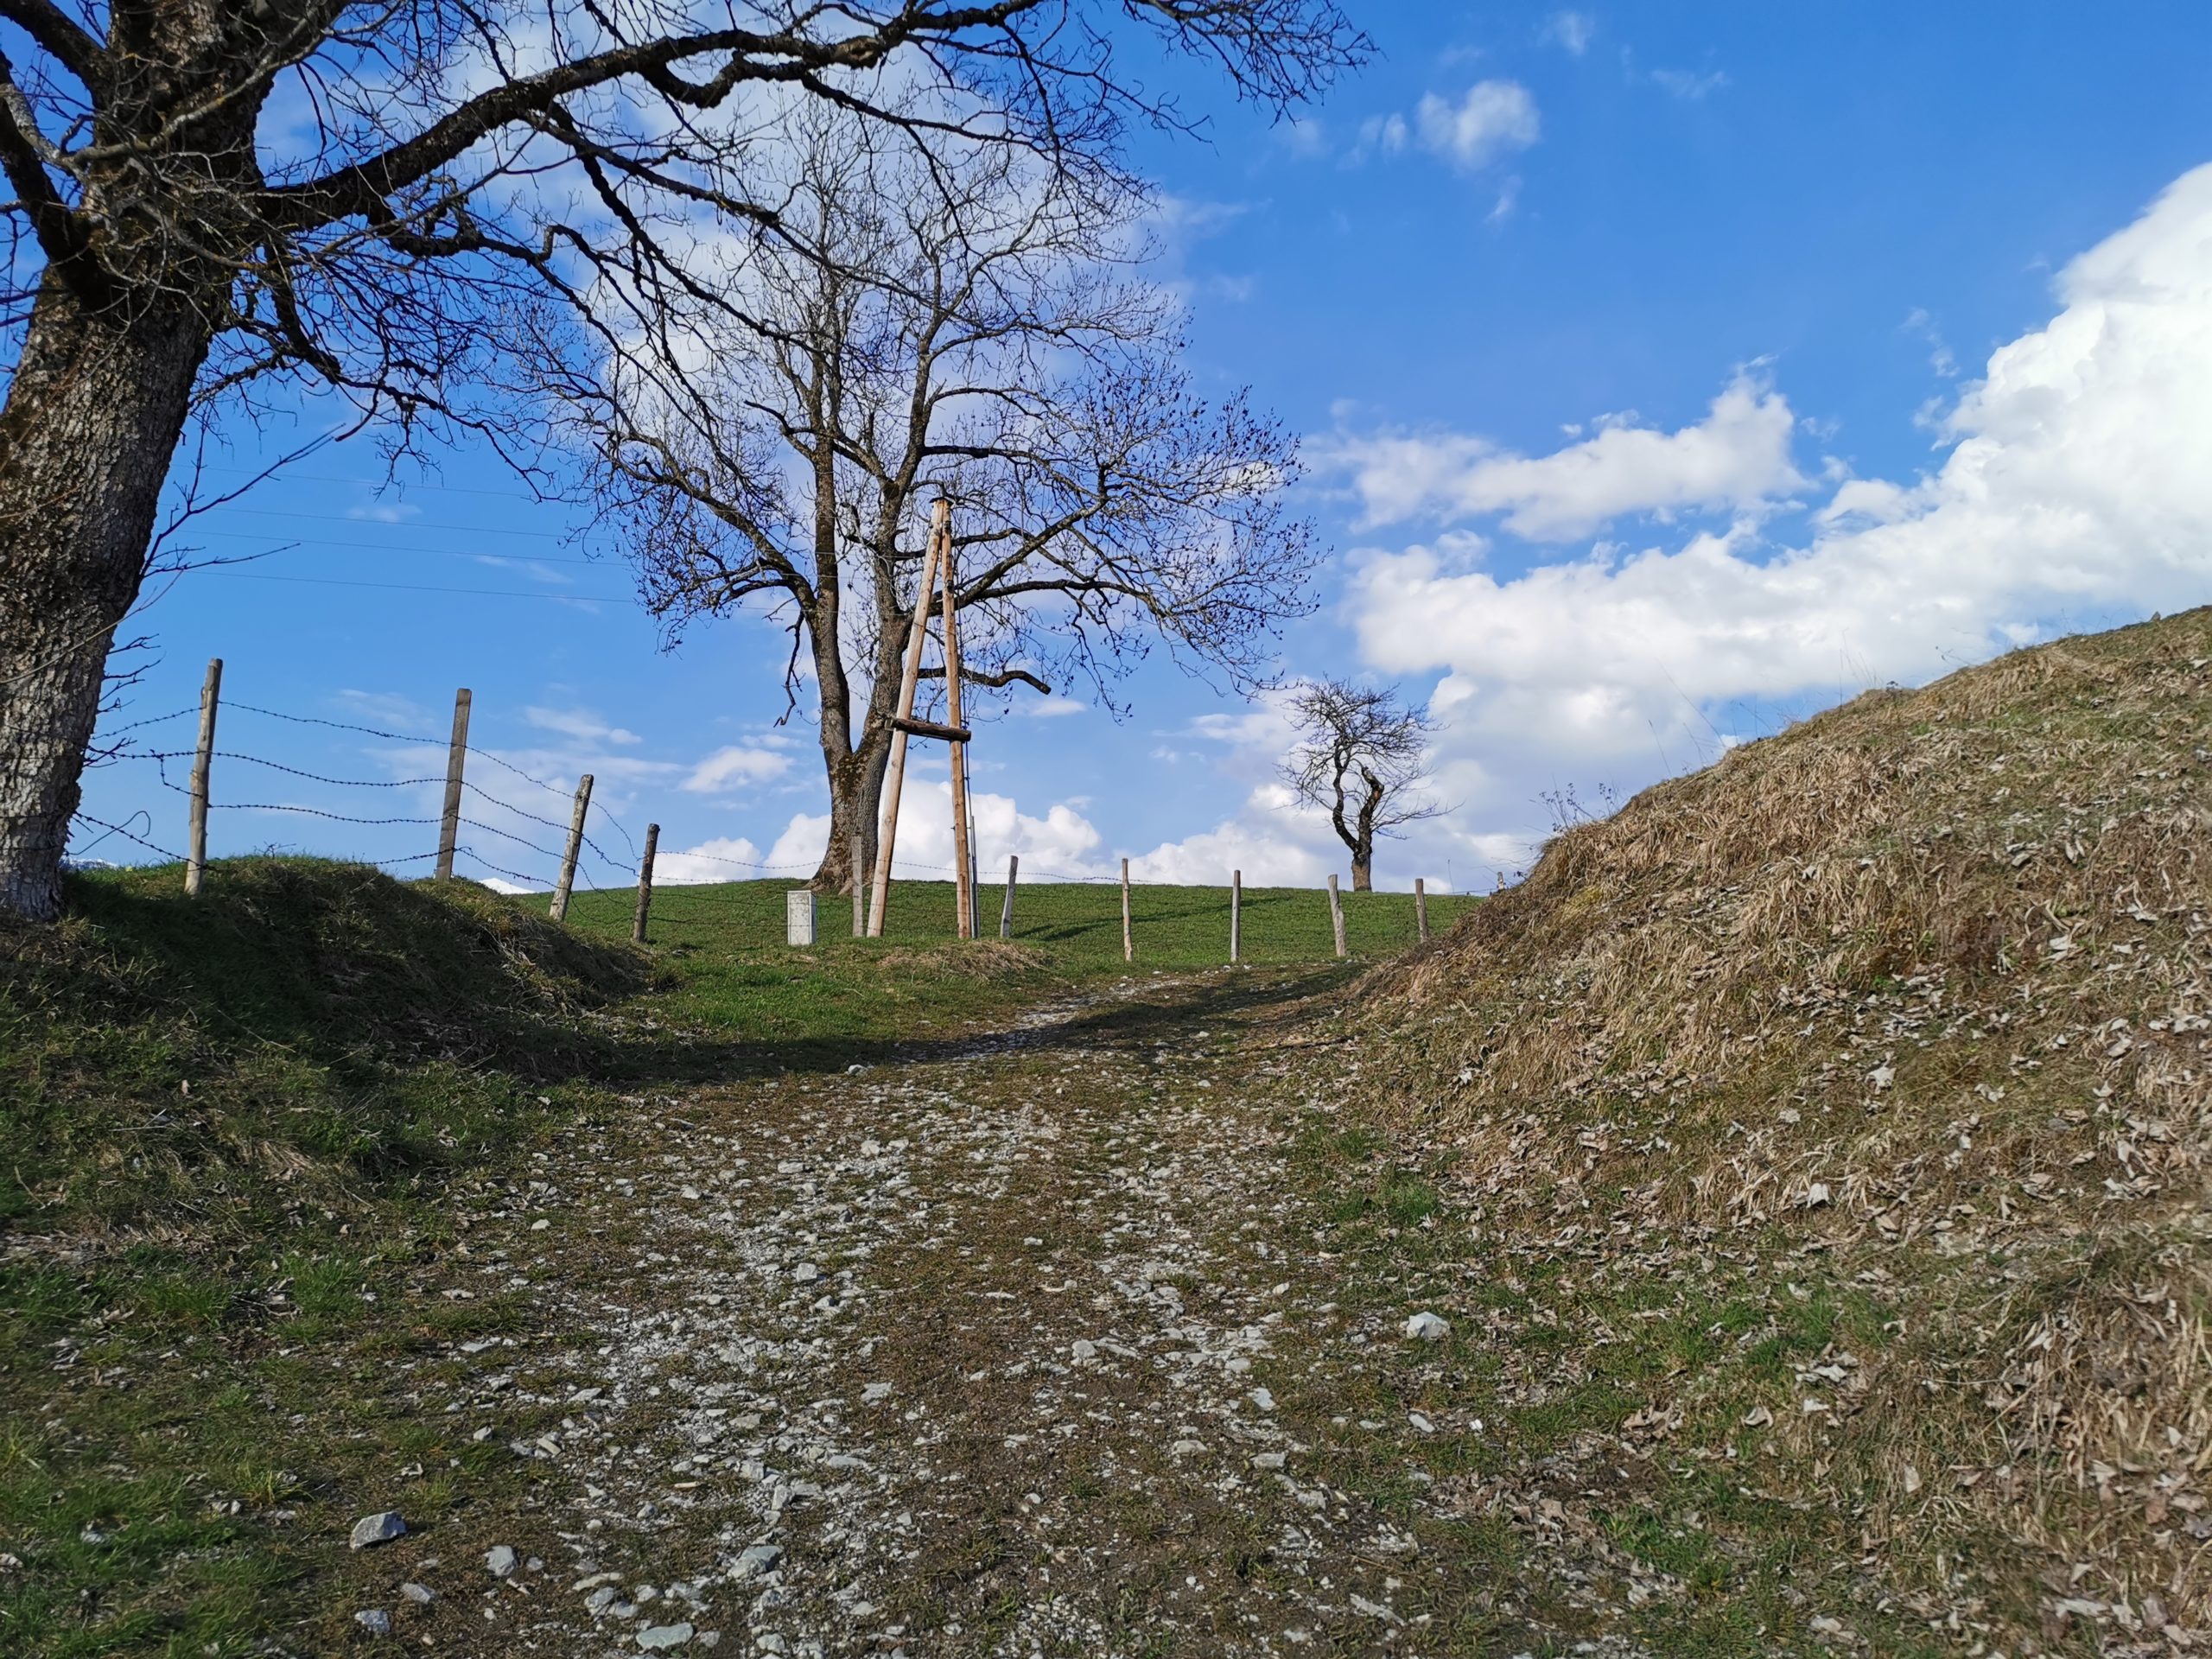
[728, 969]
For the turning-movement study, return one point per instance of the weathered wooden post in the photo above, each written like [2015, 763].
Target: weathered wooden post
[1336, 914]
[576, 846]
[1129, 942]
[963, 871]
[203, 759]
[645, 882]
[1420, 907]
[457, 757]
[860, 895]
[894, 776]
[1005, 911]
[1236, 904]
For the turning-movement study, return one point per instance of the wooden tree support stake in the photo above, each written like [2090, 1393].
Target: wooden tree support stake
[937, 557]
[456, 758]
[1235, 906]
[645, 882]
[203, 759]
[560, 912]
[1128, 940]
[963, 867]
[1336, 914]
[1005, 911]
[1420, 907]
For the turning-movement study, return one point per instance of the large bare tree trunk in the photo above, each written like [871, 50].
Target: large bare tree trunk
[92, 418]
[1362, 873]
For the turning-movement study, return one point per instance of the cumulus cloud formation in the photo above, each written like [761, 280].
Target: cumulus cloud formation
[1495, 119]
[1736, 457]
[720, 858]
[2075, 488]
[737, 764]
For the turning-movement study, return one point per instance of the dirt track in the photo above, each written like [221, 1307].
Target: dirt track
[1025, 1347]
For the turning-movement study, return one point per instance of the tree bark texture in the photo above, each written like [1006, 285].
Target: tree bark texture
[92, 418]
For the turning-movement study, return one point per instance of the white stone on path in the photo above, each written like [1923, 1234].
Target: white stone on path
[379, 1529]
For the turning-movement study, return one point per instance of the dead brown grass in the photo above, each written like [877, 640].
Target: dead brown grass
[986, 960]
[1918, 987]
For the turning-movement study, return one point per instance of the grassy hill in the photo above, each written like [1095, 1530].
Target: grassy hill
[1845, 1108]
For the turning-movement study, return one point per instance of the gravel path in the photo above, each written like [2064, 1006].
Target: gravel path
[1023, 1349]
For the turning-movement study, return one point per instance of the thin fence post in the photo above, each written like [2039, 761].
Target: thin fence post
[1235, 920]
[576, 846]
[1005, 911]
[1129, 942]
[457, 757]
[645, 882]
[1335, 914]
[203, 758]
[1421, 907]
[860, 890]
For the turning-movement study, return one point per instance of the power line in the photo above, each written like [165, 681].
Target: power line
[417, 588]
[389, 524]
[387, 547]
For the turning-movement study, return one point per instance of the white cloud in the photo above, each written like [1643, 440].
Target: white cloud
[2076, 489]
[1495, 119]
[1736, 457]
[1572, 30]
[581, 724]
[1270, 841]
[728, 767]
[1051, 708]
[721, 858]
[1689, 85]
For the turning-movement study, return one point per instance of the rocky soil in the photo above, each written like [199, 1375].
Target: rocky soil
[1061, 1342]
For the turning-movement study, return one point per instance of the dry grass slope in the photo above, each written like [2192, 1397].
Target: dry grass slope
[1912, 999]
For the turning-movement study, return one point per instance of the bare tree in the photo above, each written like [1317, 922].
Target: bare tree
[976, 331]
[366, 195]
[1363, 755]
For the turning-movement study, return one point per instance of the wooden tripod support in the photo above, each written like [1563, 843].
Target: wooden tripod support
[937, 557]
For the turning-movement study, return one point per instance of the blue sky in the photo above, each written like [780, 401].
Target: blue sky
[1666, 371]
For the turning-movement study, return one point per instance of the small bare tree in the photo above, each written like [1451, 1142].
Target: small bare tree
[1363, 755]
[977, 331]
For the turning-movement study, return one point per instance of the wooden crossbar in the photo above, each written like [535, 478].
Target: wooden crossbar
[930, 728]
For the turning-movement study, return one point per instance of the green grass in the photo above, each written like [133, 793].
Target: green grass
[728, 969]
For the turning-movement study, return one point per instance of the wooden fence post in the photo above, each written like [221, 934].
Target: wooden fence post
[1005, 911]
[645, 882]
[203, 758]
[1235, 904]
[860, 891]
[1421, 907]
[576, 846]
[1336, 914]
[457, 757]
[1129, 942]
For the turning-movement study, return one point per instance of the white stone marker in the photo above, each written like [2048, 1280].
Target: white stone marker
[799, 916]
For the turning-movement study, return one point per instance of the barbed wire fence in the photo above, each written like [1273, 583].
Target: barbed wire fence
[469, 840]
